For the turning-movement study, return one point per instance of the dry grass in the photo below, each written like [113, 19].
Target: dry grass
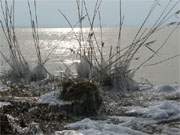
[94, 65]
[19, 68]
[115, 70]
[16, 60]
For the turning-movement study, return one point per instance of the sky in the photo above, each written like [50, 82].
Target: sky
[134, 11]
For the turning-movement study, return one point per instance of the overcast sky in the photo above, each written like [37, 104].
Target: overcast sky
[133, 10]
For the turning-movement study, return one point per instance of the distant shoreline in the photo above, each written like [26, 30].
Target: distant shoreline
[106, 27]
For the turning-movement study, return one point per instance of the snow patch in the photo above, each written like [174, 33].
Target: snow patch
[91, 127]
[67, 132]
[171, 131]
[52, 98]
[4, 104]
[3, 88]
[161, 110]
[164, 110]
[167, 88]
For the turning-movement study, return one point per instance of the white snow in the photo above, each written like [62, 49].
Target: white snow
[4, 104]
[145, 118]
[171, 131]
[68, 132]
[52, 98]
[161, 110]
[167, 88]
[92, 127]
[3, 87]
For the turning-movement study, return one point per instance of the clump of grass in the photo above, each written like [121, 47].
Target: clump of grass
[116, 70]
[84, 95]
[19, 67]
[39, 72]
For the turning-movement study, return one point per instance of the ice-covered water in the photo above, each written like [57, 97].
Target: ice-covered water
[61, 39]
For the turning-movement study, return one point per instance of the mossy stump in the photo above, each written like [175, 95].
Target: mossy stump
[84, 95]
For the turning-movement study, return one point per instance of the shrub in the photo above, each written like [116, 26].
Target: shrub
[116, 70]
[85, 96]
[17, 62]
[19, 67]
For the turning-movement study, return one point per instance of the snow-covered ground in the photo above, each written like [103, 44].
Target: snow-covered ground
[3, 87]
[52, 98]
[159, 114]
[140, 120]
[4, 104]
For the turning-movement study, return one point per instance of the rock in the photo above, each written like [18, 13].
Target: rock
[84, 95]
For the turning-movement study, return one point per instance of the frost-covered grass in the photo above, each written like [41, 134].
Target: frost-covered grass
[16, 61]
[19, 67]
[113, 67]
